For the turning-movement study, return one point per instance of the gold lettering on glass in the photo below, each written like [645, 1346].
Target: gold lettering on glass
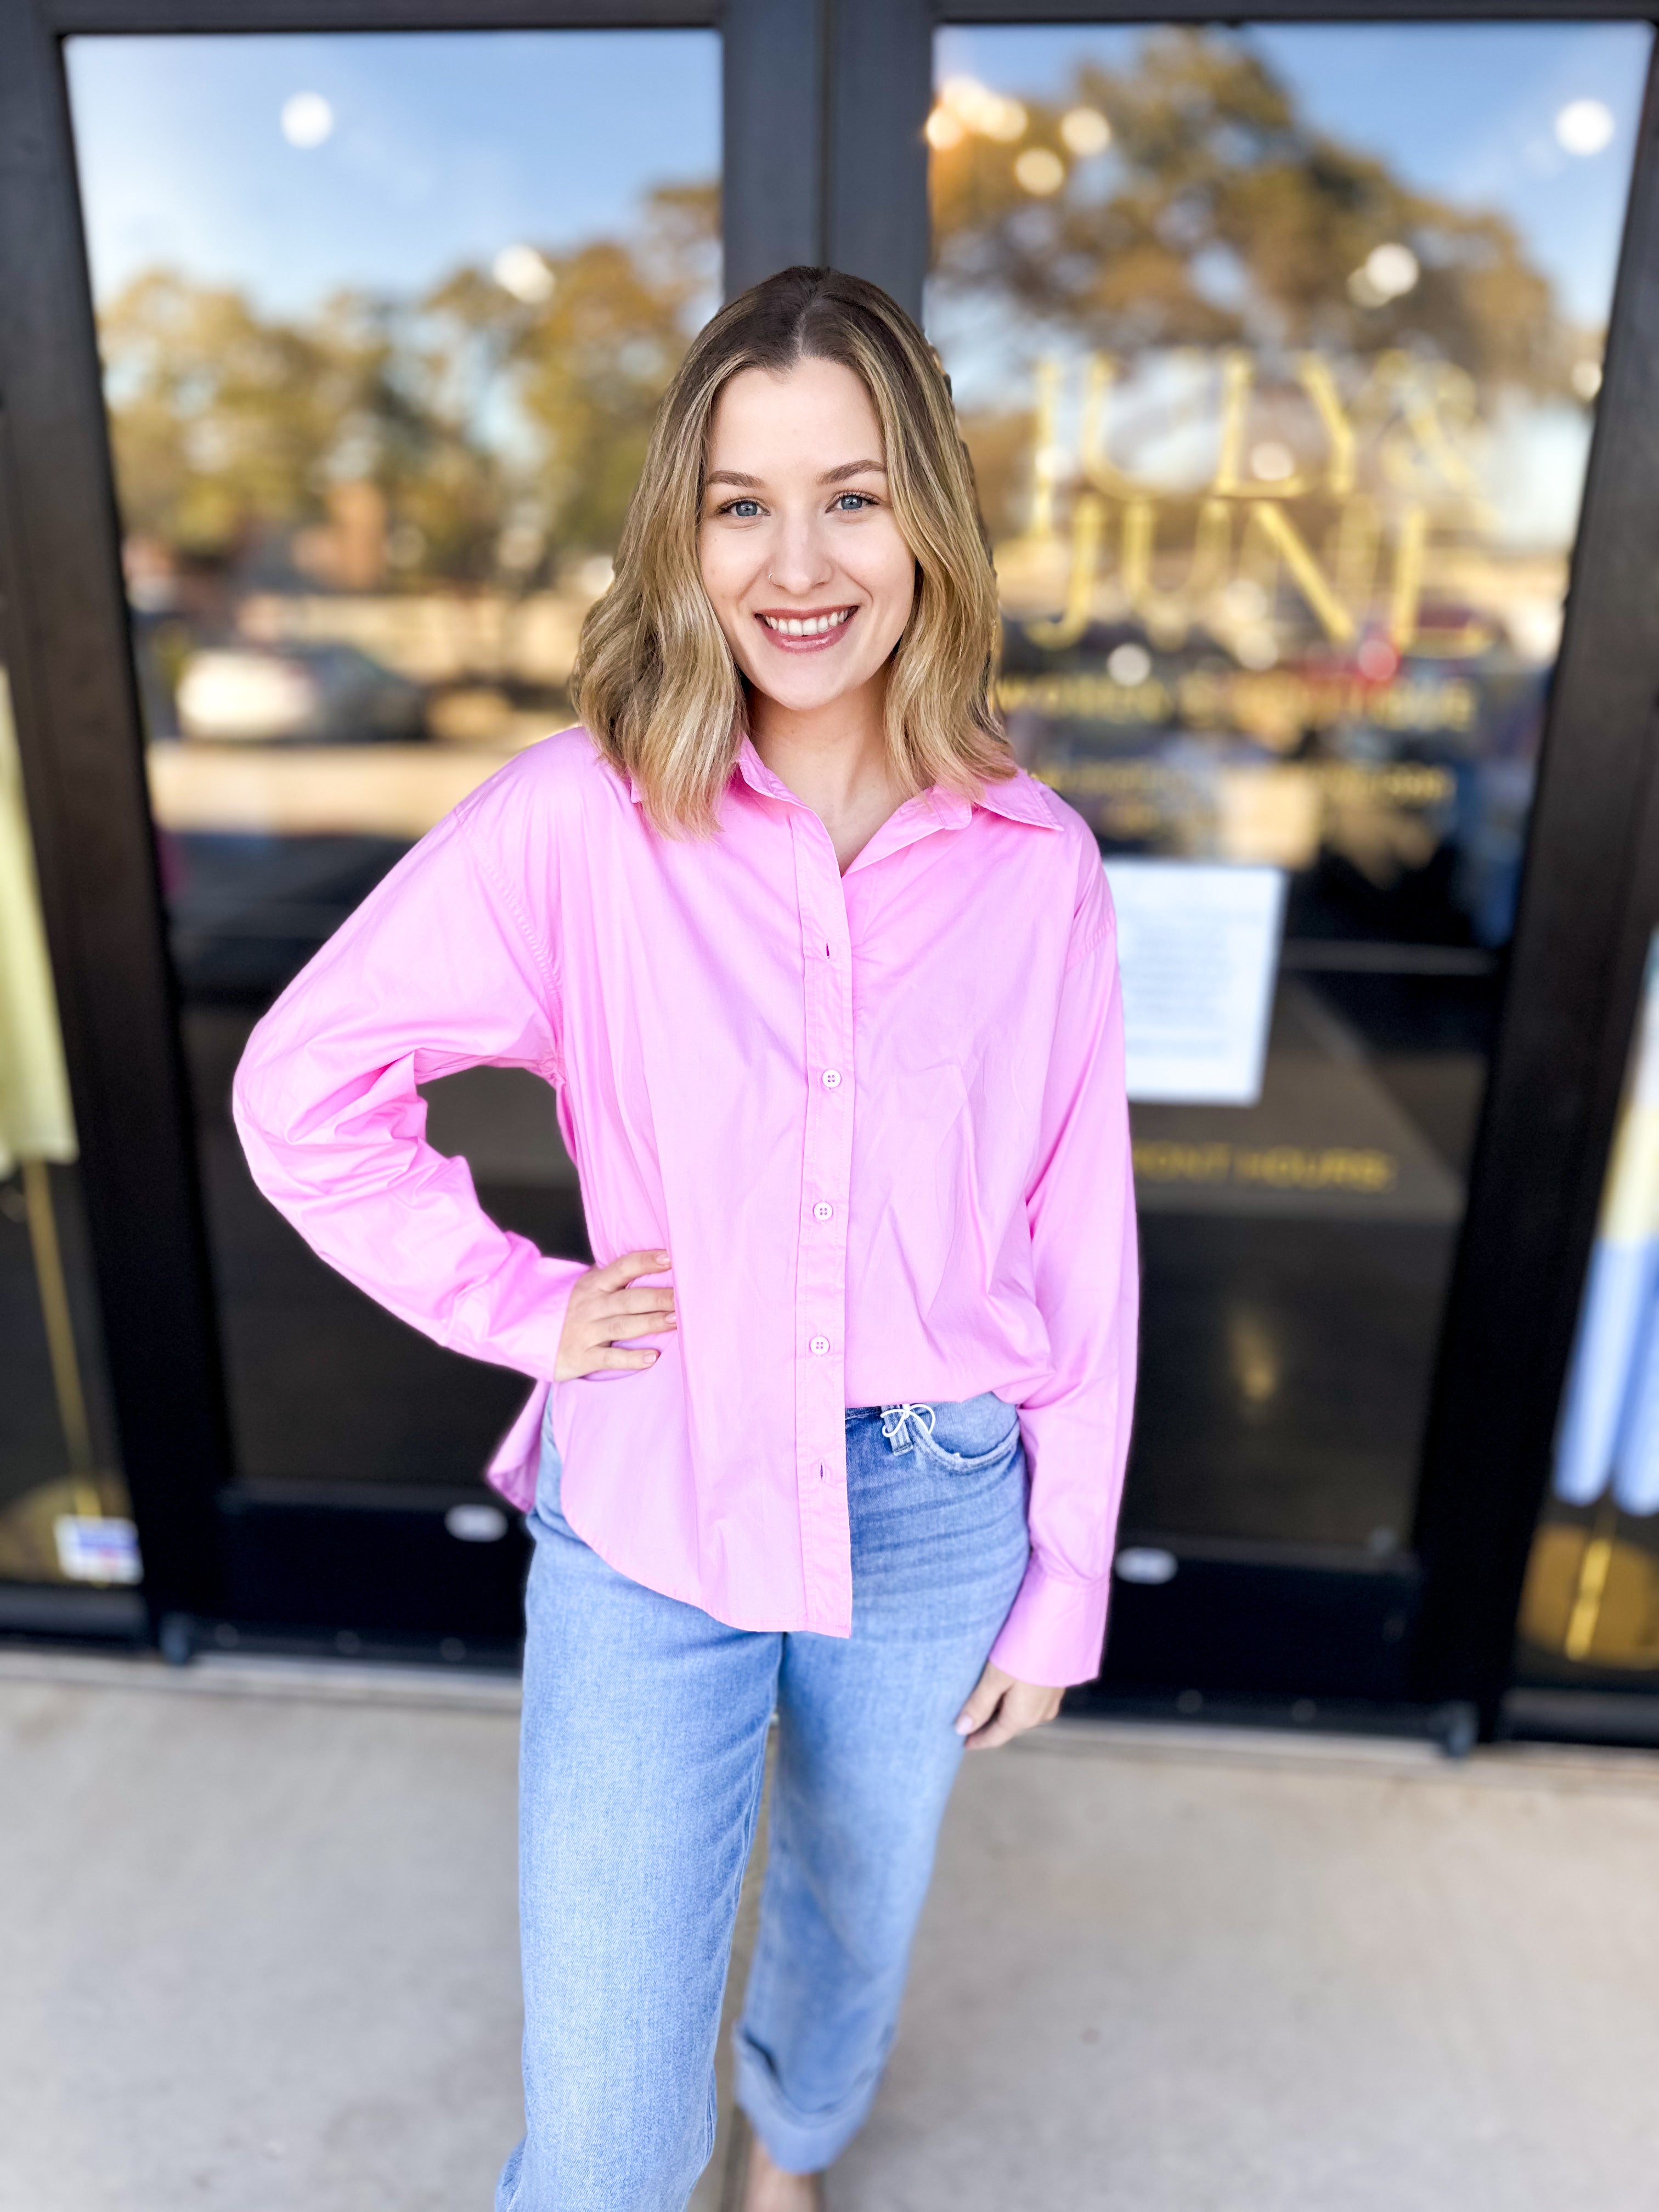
[1345, 503]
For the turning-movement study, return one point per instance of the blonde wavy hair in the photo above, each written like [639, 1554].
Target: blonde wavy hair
[655, 682]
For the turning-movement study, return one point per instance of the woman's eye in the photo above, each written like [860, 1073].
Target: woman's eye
[851, 501]
[744, 509]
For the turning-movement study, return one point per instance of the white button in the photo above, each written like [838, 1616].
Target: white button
[831, 1079]
[822, 1211]
[820, 1345]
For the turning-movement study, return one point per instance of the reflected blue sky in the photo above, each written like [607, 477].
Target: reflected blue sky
[436, 149]
[445, 146]
[1467, 111]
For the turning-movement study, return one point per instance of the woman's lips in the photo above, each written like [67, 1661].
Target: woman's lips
[816, 640]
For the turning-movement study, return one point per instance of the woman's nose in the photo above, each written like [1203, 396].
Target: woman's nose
[799, 563]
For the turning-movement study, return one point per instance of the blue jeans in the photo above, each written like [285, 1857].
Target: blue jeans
[642, 1762]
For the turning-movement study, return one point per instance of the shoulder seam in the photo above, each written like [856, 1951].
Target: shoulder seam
[1099, 926]
[1097, 934]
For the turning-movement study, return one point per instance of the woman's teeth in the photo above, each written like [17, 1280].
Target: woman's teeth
[807, 625]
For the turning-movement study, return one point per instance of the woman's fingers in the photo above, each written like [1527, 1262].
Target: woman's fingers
[616, 1273]
[992, 1738]
[986, 1697]
[1002, 1708]
[630, 1325]
[603, 1310]
[637, 1302]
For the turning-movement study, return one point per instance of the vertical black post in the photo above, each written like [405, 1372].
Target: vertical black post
[881, 80]
[1589, 901]
[80, 737]
[772, 189]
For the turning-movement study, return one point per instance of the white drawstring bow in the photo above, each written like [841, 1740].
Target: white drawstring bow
[895, 1425]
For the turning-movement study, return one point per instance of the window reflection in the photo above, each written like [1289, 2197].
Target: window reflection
[384, 320]
[376, 408]
[1278, 351]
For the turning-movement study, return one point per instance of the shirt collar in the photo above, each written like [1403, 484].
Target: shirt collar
[749, 766]
[756, 775]
[1021, 798]
[1017, 798]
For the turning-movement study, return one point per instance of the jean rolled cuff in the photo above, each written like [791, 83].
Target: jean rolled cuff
[800, 2142]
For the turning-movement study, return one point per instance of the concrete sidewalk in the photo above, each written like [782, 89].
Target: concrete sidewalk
[258, 1954]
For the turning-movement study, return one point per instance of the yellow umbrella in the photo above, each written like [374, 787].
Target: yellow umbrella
[36, 1122]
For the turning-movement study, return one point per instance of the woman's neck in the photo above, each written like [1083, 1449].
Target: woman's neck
[834, 758]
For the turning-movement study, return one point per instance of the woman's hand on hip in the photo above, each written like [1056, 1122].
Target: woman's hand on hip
[1000, 1709]
[605, 1311]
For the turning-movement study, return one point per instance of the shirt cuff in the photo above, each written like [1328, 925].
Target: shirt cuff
[553, 1309]
[1055, 1631]
[518, 1322]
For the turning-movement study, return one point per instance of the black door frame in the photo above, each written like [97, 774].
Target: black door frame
[825, 159]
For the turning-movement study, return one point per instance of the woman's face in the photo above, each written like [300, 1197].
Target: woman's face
[801, 556]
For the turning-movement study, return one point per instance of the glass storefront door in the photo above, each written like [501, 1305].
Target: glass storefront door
[383, 318]
[1278, 350]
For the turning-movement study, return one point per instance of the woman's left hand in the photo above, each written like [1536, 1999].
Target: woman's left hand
[1001, 1709]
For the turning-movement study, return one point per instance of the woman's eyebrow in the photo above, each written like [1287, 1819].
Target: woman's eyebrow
[830, 476]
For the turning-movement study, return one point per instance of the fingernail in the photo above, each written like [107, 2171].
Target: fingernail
[964, 1725]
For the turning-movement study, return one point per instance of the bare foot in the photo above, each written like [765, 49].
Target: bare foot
[767, 2188]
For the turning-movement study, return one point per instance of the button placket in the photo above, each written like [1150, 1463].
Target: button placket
[821, 1276]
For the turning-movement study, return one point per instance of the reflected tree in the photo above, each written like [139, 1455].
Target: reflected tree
[1215, 212]
[1187, 201]
[500, 427]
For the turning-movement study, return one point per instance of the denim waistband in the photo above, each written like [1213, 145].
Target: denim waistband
[921, 1405]
[962, 1426]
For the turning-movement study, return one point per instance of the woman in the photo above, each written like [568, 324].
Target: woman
[828, 991]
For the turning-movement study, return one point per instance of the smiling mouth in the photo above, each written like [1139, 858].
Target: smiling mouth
[815, 629]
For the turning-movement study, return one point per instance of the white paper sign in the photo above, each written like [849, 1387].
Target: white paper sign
[1198, 947]
[91, 1550]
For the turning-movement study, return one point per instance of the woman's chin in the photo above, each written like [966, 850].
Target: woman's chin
[807, 687]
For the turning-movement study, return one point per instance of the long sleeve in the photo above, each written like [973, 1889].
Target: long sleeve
[439, 969]
[1076, 1424]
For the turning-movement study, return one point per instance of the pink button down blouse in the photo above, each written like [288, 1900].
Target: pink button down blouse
[877, 1119]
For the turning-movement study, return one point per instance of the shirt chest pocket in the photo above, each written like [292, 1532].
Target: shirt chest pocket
[917, 1108]
[915, 1160]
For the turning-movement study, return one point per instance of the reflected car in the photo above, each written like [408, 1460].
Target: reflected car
[330, 695]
